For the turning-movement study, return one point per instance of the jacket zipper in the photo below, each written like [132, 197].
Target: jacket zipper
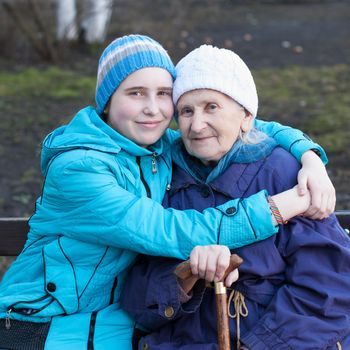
[90, 345]
[154, 162]
[27, 311]
[148, 191]
[7, 319]
[115, 284]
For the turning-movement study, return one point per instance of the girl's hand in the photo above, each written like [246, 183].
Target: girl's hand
[210, 263]
[313, 177]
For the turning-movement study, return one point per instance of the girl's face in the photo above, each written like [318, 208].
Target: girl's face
[141, 108]
[210, 122]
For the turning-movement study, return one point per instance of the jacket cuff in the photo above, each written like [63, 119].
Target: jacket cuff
[167, 298]
[299, 147]
[193, 304]
[246, 221]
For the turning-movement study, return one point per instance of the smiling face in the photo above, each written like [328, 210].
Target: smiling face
[210, 122]
[141, 108]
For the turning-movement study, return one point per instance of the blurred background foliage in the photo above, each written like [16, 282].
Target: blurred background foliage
[299, 53]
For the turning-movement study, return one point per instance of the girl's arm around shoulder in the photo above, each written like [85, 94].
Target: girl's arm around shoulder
[91, 200]
[292, 140]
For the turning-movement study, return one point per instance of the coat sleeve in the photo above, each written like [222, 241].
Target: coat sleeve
[89, 204]
[292, 140]
[311, 310]
[151, 293]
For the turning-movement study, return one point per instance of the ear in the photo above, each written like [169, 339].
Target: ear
[247, 122]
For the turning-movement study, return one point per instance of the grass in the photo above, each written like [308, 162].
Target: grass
[52, 82]
[313, 99]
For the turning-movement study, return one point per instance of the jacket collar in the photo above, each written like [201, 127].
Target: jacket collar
[88, 131]
[233, 182]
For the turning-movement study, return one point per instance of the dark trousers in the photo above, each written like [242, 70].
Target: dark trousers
[23, 335]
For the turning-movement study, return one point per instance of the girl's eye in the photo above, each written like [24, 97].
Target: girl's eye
[136, 93]
[165, 93]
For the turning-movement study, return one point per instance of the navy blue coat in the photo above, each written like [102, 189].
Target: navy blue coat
[296, 284]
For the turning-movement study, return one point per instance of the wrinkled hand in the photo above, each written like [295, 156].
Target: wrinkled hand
[313, 177]
[210, 263]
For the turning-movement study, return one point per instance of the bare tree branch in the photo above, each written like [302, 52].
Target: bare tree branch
[43, 45]
[43, 29]
[26, 31]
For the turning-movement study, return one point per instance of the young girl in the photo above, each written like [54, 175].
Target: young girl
[106, 174]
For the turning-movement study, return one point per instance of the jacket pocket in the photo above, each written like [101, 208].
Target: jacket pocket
[60, 277]
[30, 307]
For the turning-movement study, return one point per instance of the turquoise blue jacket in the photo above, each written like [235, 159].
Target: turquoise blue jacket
[99, 207]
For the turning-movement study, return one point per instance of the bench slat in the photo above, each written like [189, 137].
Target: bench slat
[343, 217]
[13, 232]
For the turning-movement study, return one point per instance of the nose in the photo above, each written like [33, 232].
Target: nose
[151, 107]
[197, 123]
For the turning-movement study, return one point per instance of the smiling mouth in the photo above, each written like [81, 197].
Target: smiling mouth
[201, 138]
[148, 124]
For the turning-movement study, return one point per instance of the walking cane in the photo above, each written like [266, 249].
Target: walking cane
[183, 271]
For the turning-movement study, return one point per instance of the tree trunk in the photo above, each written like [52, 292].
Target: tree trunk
[66, 13]
[95, 21]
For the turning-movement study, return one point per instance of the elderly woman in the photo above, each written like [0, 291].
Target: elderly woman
[293, 288]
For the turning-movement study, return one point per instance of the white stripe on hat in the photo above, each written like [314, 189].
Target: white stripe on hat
[125, 51]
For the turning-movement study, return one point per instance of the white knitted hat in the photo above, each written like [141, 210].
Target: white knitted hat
[209, 67]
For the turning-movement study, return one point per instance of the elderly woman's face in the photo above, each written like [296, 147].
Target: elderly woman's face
[209, 122]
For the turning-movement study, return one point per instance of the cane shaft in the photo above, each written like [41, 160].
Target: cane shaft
[222, 317]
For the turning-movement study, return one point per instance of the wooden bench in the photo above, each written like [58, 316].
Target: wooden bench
[13, 232]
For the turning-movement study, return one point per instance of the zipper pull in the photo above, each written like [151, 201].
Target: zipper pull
[7, 319]
[168, 187]
[154, 163]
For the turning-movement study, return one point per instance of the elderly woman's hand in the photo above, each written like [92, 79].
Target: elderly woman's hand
[313, 177]
[210, 263]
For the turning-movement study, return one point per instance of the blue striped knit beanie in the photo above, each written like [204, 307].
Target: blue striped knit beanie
[124, 56]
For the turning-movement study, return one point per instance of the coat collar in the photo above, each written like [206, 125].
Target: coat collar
[233, 182]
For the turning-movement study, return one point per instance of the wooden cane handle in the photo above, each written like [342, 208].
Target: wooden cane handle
[183, 270]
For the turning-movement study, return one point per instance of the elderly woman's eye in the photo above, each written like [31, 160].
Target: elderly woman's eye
[212, 107]
[185, 112]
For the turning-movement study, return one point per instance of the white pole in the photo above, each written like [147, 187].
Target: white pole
[66, 13]
[98, 15]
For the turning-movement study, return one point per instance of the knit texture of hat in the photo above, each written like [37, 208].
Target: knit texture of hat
[123, 57]
[209, 67]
